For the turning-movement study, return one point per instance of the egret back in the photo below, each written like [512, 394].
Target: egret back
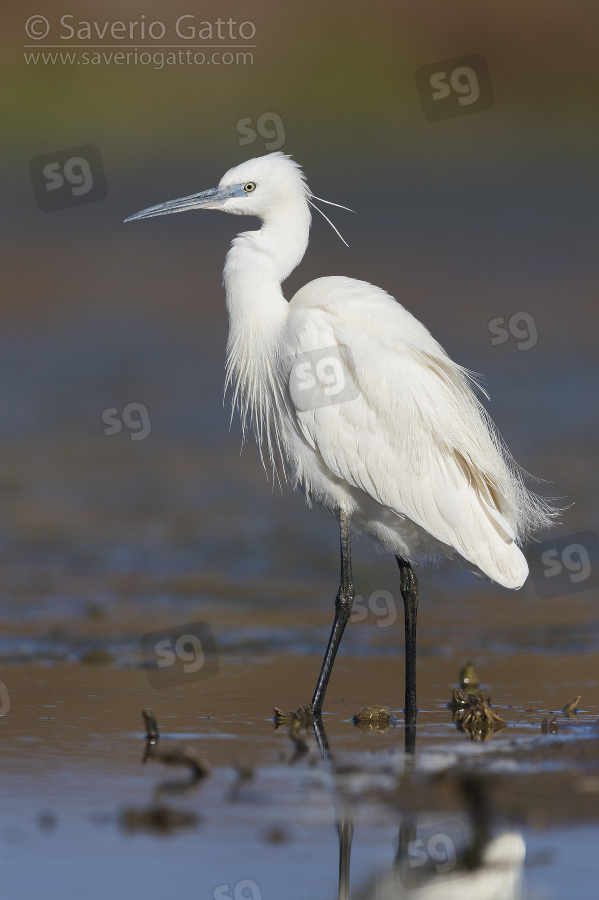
[411, 435]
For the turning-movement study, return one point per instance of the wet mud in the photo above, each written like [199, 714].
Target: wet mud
[208, 790]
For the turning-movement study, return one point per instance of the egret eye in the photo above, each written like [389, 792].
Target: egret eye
[249, 187]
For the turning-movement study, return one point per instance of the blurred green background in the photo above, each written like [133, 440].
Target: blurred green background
[467, 220]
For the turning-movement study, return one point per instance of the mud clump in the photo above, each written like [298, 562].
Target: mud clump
[473, 715]
[571, 707]
[157, 819]
[300, 721]
[374, 718]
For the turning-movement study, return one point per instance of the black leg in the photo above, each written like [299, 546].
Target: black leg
[345, 830]
[409, 592]
[343, 816]
[343, 606]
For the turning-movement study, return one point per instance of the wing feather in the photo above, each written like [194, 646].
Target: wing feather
[409, 430]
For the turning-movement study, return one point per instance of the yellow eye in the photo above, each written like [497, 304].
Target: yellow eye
[249, 187]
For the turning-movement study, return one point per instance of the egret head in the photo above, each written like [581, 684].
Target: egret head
[258, 187]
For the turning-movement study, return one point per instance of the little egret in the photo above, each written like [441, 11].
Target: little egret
[358, 404]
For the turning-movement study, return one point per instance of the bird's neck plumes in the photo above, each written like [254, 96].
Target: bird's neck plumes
[274, 251]
[256, 264]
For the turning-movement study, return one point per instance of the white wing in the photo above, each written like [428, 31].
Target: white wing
[409, 431]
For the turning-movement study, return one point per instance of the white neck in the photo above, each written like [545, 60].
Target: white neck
[260, 260]
[256, 264]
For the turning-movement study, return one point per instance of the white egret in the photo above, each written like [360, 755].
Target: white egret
[357, 404]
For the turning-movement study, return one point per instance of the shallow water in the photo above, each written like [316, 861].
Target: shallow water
[77, 796]
[104, 540]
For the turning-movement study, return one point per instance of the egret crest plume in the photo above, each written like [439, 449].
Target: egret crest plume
[313, 197]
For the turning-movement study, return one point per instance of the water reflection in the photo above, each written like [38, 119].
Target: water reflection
[159, 816]
[435, 859]
[497, 876]
[443, 817]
